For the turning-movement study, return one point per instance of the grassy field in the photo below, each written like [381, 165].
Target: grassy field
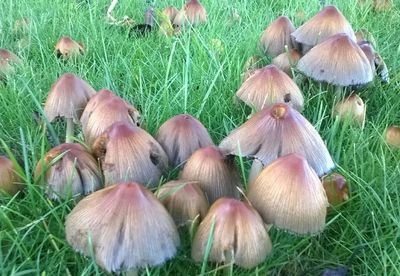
[163, 77]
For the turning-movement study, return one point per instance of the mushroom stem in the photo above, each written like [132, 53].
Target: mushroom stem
[255, 170]
[70, 130]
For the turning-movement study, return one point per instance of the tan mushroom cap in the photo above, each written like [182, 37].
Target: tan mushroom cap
[329, 21]
[184, 200]
[125, 227]
[129, 153]
[288, 60]
[270, 85]
[9, 56]
[289, 194]
[8, 60]
[170, 12]
[217, 175]
[10, 182]
[195, 12]
[239, 235]
[336, 188]
[68, 97]
[338, 60]
[68, 48]
[351, 108]
[277, 131]
[392, 136]
[182, 135]
[276, 36]
[68, 169]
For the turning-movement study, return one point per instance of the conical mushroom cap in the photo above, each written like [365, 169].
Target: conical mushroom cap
[170, 12]
[195, 12]
[392, 136]
[217, 175]
[329, 21]
[127, 226]
[9, 56]
[352, 108]
[268, 86]
[239, 235]
[69, 169]
[68, 97]
[276, 36]
[129, 153]
[289, 194]
[338, 60]
[287, 61]
[182, 135]
[277, 131]
[104, 110]
[10, 182]
[184, 200]
[67, 47]
[7, 62]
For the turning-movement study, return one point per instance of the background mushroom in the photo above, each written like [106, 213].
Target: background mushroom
[392, 136]
[352, 109]
[67, 48]
[8, 61]
[288, 60]
[10, 182]
[195, 12]
[336, 188]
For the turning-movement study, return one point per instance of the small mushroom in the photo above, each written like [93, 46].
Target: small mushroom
[68, 48]
[128, 153]
[195, 12]
[68, 169]
[170, 12]
[125, 227]
[336, 188]
[217, 175]
[10, 182]
[67, 99]
[288, 60]
[184, 200]
[270, 85]
[392, 136]
[352, 109]
[289, 194]
[277, 36]
[239, 235]
[8, 61]
[182, 135]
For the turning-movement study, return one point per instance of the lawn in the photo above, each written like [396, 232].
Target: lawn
[164, 77]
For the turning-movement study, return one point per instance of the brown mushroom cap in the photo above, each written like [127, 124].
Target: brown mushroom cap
[352, 109]
[336, 188]
[217, 175]
[10, 182]
[69, 169]
[276, 36]
[7, 62]
[392, 136]
[338, 60]
[270, 85]
[68, 48]
[182, 135]
[170, 12]
[289, 194]
[126, 226]
[277, 131]
[195, 12]
[184, 200]
[239, 235]
[329, 21]
[129, 153]
[288, 60]
[68, 97]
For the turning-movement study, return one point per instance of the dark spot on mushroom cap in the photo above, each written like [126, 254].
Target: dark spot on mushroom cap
[287, 98]
[322, 70]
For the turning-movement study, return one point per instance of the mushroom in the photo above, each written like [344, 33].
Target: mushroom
[336, 188]
[217, 175]
[125, 227]
[328, 22]
[68, 169]
[289, 194]
[10, 181]
[104, 109]
[182, 135]
[288, 60]
[8, 60]
[277, 131]
[277, 36]
[238, 235]
[338, 61]
[378, 65]
[128, 153]
[184, 200]
[67, 48]
[170, 12]
[195, 13]
[270, 85]
[352, 109]
[392, 136]
[67, 99]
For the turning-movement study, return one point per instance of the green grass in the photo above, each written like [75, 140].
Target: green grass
[163, 77]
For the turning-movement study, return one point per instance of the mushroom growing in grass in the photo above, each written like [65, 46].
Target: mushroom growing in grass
[10, 182]
[128, 153]
[104, 109]
[170, 12]
[237, 234]
[277, 36]
[351, 109]
[8, 61]
[68, 48]
[195, 13]
[287, 132]
[288, 60]
[270, 85]
[336, 188]
[289, 194]
[182, 135]
[68, 170]
[217, 174]
[338, 61]
[329, 21]
[184, 200]
[392, 136]
[125, 227]
[378, 65]
[67, 99]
